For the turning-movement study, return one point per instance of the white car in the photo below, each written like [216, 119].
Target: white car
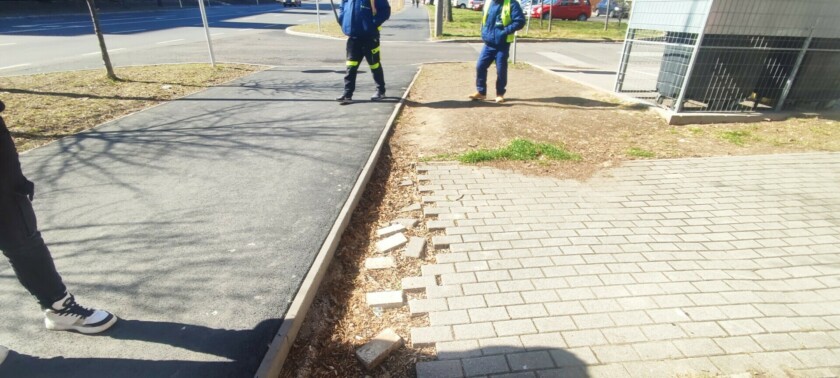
[459, 4]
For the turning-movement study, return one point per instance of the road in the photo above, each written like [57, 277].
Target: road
[41, 44]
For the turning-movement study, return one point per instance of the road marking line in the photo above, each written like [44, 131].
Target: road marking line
[109, 51]
[15, 66]
[8, 44]
[215, 34]
[242, 30]
[129, 31]
[174, 40]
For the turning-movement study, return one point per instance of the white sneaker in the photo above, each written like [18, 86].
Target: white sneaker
[67, 315]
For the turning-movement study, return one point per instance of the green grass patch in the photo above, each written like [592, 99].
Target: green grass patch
[638, 152]
[737, 137]
[519, 150]
[467, 24]
[695, 130]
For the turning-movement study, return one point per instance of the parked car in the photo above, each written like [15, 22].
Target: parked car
[476, 5]
[460, 4]
[617, 8]
[563, 9]
[291, 3]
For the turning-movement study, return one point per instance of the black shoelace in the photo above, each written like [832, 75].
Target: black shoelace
[72, 308]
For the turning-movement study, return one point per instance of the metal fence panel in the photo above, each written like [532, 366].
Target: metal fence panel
[744, 55]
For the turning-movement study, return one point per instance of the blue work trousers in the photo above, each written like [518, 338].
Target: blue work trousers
[488, 55]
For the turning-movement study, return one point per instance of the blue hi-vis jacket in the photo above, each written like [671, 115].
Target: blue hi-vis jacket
[493, 33]
[362, 18]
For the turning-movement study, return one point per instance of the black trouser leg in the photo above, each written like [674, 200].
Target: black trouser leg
[20, 240]
[373, 57]
[354, 58]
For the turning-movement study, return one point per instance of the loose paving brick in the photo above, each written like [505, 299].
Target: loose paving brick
[657, 268]
[378, 263]
[390, 230]
[416, 248]
[407, 222]
[386, 299]
[379, 348]
[391, 243]
[410, 208]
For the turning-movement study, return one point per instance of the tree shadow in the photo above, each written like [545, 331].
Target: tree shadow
[243, 348]
[502, 358]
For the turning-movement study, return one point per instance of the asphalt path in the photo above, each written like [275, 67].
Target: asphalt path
[195, 221]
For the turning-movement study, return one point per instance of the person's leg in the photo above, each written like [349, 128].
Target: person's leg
[502, 55]
[20, 240]
[354, 57]
[373, 56]
[484, 60]
[29, 256]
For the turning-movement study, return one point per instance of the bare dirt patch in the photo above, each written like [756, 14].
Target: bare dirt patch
[546, 108]
[44, 107]
[438, 119]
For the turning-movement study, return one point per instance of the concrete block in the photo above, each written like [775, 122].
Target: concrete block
[390, 230]
[386, 299]
[416, 248]
[441, 242]
[374, 263]
[406, 222]
[428, 336]
[406, 183]
[440, 369]
[377, 350]
[439, 224]
[412, 207]
[391, 243]
[418, 283]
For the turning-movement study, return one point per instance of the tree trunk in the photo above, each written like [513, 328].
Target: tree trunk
[98, 31]
[449, 11]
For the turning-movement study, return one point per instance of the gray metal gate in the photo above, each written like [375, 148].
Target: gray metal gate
[733, 55]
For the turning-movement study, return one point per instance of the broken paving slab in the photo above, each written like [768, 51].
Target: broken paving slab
[406, 183]
[412, 207]
[379, 348]
[416, 248]
[390, 230]
[391, 243]
[407, 222]
[375, 263]
[386, 299]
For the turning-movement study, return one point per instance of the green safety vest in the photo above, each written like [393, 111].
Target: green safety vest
[506, 20]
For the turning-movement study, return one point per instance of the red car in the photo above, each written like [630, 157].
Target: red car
[476, 5]
[579, 10]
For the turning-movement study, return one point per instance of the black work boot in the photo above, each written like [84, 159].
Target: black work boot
[344, 99]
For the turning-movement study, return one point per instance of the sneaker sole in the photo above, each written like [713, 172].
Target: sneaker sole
[108, 323]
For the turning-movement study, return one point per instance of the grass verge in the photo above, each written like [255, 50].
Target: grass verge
[640, 153]
[45, 107]
[467, 24]
[519, 150]
[736, 137]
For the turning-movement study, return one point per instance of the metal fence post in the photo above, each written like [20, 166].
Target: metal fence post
[625, 56]
[794, 72]
[693, 60]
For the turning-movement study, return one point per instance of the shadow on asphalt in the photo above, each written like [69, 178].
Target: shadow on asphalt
[243, 348]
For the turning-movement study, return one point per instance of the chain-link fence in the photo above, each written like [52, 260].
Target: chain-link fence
[733, 55]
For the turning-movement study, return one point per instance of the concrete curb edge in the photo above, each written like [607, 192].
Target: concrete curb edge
[280, 346]
[311, 35]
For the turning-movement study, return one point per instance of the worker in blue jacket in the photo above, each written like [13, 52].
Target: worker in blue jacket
[502, 18]
[361, 20]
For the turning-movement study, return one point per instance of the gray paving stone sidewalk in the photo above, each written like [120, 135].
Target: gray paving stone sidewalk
[664, 268]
